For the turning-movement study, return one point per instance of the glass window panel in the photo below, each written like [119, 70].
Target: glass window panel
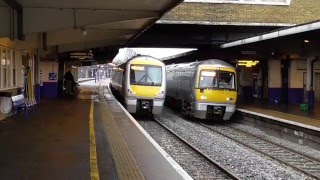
[14, 80]
[14, 77]
[4, 68]
[208, 79]
[4, 76]
[226, 80]
[146, 75]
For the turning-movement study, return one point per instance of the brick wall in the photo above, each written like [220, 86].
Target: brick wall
[300, 11]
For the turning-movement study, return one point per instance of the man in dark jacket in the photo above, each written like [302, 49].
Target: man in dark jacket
[69, 80]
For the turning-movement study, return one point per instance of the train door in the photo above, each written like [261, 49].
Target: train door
[317, 87]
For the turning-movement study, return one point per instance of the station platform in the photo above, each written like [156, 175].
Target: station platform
[88, 137]
[291, 114]
[288, 121]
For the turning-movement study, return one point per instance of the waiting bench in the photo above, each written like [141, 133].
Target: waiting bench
[19, 103]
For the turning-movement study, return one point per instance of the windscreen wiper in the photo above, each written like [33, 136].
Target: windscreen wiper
[141, 79]
[150, 80]
[146, 75]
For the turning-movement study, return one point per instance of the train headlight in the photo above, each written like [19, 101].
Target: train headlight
[229, 99]
[160, 93]
[203, 97]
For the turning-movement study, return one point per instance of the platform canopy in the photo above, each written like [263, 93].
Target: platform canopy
[78, 24]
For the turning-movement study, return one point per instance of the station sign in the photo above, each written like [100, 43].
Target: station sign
[82, 56]
[53, 76]
[249, 52]
[247, 63]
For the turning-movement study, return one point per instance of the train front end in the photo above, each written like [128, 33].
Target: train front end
[215, 92]
[145, 86]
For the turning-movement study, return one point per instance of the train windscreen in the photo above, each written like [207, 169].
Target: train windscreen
[208, 79]
[217, 79]
[146, 75]
[226, 80]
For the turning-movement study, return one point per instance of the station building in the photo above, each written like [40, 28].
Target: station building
[39, 57]
[277, 70]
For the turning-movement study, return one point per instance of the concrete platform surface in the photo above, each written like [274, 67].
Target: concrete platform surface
[87, 137]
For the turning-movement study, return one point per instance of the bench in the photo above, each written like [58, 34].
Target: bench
[19, 103]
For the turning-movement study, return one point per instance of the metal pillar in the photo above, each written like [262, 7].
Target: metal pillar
[310, 75]
[37, 76]
[18, 7]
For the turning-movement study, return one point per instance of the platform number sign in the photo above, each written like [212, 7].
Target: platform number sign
[52, 76]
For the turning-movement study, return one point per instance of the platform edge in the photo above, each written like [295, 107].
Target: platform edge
[280, 119]
[171, 161]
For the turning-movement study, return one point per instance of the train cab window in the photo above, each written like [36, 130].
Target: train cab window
[226, 80]
[208, 79]
[146, 75]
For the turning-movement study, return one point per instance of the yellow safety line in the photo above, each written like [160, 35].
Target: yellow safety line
[126, 166]
[94, 172]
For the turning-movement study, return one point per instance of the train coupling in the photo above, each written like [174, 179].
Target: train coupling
[145, 105]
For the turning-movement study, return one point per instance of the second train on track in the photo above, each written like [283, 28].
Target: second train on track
[204, 89]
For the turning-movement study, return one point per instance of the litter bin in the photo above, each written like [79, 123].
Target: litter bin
[5, 102]
[304, 106]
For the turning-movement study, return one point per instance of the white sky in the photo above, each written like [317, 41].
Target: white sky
[158, 53]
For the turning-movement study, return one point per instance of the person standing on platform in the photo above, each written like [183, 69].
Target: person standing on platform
[68, 82]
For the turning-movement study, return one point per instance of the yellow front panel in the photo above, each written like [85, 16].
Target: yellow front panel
[216, 96]
[146, 91]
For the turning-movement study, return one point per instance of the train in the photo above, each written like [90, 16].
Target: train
[204, 89]
[141, 83]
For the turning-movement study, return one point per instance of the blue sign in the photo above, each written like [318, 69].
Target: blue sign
[53, 76]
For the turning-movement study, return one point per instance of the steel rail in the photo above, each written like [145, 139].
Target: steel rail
[305, 172]
[216, 164]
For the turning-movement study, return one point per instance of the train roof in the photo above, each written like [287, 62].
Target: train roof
[216, 62]
[139, 56]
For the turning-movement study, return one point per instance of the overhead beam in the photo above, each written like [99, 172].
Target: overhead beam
[5, 21]
[31, 41]
[18, 8]
[94, 44]
[13, 4]
[37, 19]
[275, 34]
[77, 36]
[169, 7]
[128, 24]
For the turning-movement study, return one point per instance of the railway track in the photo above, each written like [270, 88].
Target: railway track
[300, 162]
[226, 173]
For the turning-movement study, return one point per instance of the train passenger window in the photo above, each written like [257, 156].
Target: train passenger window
[146, 75]
[226, 80]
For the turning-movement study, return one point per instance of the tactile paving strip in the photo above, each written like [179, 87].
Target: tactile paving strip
[127, 167]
